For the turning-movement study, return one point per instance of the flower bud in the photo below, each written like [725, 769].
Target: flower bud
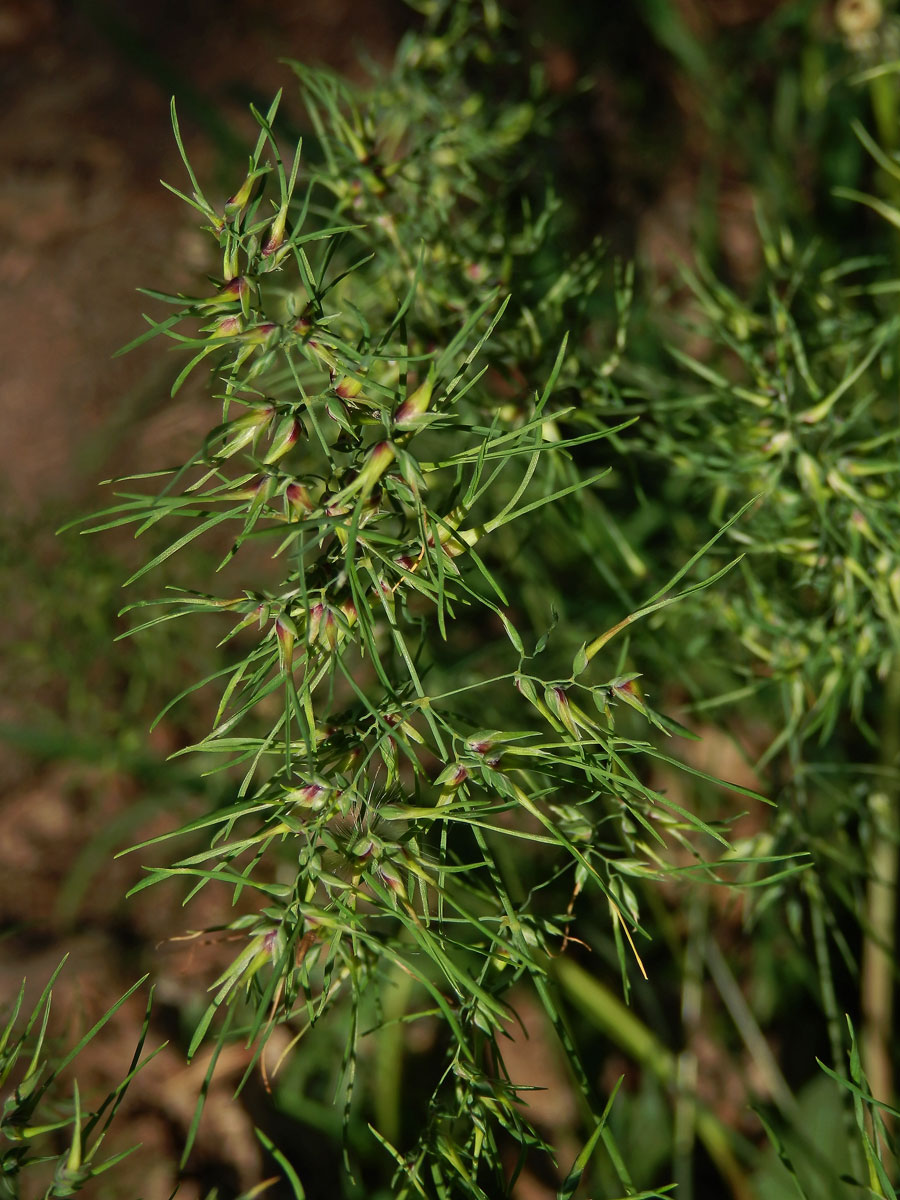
[322, 353]
[236, 204]
[275, 239]
[415, 406]
[258, 334]
[233, 290]
[348, 387]
[628, 689]
[479, 743]
[286, 632]
[285, 438]
[392, 880]
[314, 621]
[298, 499]
[227, 327]
[330, 628]
[380, 458]
[558, 703]
[231, 260]
[452, 777]
[271, 942]
[311, 795]
[241, 431]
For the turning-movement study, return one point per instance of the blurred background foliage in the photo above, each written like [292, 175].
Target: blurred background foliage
[698, 175]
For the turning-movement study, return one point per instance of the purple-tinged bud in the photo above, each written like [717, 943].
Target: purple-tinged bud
[259, 615]
[348, 388]
[363, 851]
[415, 406]
[482, 741]
[236, 204]
[311, 794]
[249, 490]
[298, 499]
[452, 777]
[314, 621]
[234, 289]
[627, 688]
[323, 354]
[392, 880]
[275, 239]
[330, 628]
[347, 764]
[284, 439]
[558, 703]
[258, 334]
[228, 326]
[286, 632]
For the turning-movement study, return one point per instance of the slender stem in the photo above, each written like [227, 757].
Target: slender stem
[687, 1067]
[832, 1013]
[877, 986]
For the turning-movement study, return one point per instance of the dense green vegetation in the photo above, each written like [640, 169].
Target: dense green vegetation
[547, 680]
